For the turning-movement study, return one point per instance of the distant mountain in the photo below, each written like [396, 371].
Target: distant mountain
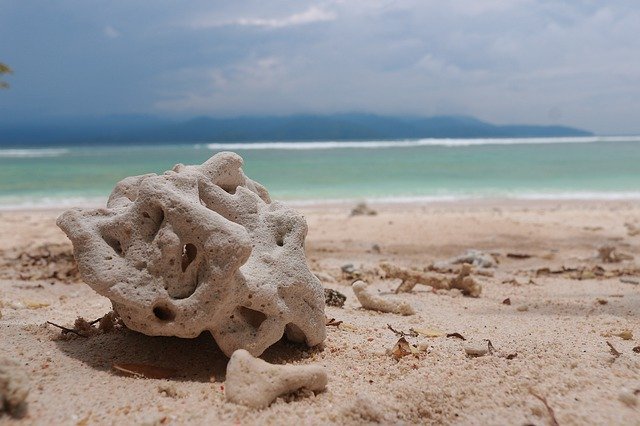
[148, 129]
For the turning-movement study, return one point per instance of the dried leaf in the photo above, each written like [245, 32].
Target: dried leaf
[427, 332]
[403, 348]
[31, 304]
[625, 335]
[456, 335]
[144, 371]
[347, 326]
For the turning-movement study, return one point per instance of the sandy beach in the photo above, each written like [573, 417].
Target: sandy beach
[562, 322]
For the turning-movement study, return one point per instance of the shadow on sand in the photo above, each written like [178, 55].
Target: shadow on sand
[199, 359]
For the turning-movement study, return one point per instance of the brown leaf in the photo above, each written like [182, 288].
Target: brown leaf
[456, 335]
[32, 304]
[402, 348]
[625, 335]
[144, 371]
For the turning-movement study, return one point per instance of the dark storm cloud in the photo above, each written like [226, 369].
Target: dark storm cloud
[577, 63]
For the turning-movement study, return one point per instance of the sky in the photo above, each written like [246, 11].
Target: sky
[575, 63]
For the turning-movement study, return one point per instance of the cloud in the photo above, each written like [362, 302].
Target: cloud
[311, 15]
[111, 32]
[531, 61]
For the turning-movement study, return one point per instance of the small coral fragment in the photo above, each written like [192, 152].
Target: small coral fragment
[476, 258]
[465, 282]
[411, 277]
[362, 209]
[377, 303]
[256, 383]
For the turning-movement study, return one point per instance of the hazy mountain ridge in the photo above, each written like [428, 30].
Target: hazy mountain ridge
[149, 129]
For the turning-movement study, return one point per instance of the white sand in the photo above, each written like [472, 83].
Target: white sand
[558, 327]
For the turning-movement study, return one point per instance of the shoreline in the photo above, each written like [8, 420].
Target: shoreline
[383, 202]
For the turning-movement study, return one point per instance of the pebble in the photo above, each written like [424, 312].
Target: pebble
[476, 349]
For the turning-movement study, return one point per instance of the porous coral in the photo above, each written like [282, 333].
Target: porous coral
[201, 248]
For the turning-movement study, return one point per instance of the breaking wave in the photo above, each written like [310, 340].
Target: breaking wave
[415, 143]
[32, 152]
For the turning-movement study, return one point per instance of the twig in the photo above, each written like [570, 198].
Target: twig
[402, 333]
[613, 350]
[333, 322]
[66, 330]
[490, 346]
[97, 320]
[552, 414]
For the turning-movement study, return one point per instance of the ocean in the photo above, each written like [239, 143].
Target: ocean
[403, 170]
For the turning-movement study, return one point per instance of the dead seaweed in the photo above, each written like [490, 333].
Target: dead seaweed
[334, 298]
[83, 328]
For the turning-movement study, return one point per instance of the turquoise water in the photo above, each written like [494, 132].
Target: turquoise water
[435, 169]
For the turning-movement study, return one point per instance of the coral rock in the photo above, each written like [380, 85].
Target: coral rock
[256, 383]
[201, 248]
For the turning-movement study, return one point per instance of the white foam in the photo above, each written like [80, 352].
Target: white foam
[415, 143]
[46, 203]
[32, 152]
[527, 196]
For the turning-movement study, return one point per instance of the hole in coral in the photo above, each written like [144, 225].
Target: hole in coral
[189, 252]
[294, 333]
[164, 313]
[114, 243]
[253, 317]
[229, 189]
[155, 216]
[280, 241]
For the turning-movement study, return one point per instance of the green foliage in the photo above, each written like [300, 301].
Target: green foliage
[4, 69]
